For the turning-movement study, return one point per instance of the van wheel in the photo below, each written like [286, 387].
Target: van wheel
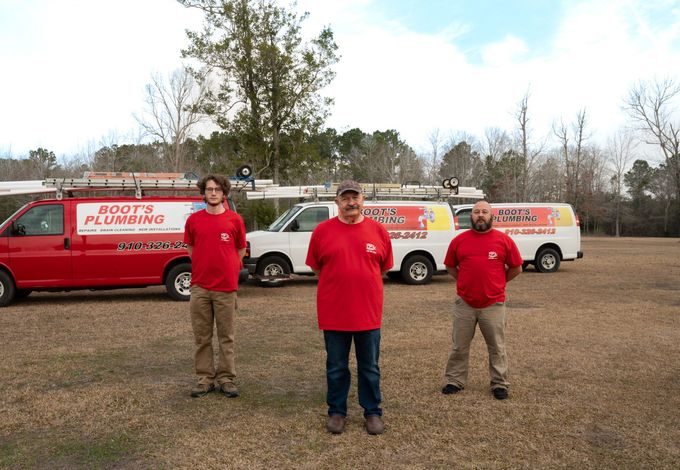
[178, 282]
[271, 267]
[547, 261]
[7, 289]
[417, 269]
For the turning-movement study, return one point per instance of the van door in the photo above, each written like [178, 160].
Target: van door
[40, 246]
[301, 228]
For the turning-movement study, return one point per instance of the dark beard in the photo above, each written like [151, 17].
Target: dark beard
[482, 226]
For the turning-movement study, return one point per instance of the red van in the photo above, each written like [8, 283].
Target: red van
[97, 243]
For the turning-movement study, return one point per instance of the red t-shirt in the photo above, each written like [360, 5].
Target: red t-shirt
[216, 239]
[481, 259]
[351, 258]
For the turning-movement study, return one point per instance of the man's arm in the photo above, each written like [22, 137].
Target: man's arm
[190, 249]
[241, 253]
[453, 272]
[512, 273]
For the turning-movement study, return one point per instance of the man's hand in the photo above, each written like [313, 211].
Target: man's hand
[512, 273]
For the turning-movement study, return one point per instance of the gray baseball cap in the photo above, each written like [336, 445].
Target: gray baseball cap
[349, 185]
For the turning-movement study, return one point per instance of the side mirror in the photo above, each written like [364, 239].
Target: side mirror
[294, 226]
[18, 229]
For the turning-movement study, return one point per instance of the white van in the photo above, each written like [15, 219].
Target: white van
[420, 232]
[546, 234]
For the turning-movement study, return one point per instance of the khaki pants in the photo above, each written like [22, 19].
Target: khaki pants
[491, 322]
[210, 308]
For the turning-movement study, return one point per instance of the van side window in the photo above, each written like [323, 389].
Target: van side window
[308, 219]
[464, 219]
[42, 220]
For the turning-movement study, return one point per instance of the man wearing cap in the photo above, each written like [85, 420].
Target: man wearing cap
[350, 253]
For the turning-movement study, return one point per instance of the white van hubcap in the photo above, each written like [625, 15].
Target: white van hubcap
[418, 271]
[183, 283]
[548, 261]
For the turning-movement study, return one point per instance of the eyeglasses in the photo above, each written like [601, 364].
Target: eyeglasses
[213, 190]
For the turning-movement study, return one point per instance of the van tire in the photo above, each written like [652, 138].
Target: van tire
[272, 266]
[178, 282]
[547, 261]
[417, 269]
[7, 289]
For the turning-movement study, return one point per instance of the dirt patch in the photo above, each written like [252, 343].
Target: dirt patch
[102, 379]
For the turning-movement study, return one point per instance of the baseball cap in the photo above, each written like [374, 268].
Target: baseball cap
[349, 185]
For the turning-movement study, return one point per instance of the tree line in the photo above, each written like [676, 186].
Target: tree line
[260, 82]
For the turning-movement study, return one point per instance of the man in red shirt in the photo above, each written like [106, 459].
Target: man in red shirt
[350, 253]
[481, 260]
[216, 241]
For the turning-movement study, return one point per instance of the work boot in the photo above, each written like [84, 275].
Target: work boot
[374, 425]
[450, 389]
[335, 424]
[229, 390]
[500, 393]
[202, 389]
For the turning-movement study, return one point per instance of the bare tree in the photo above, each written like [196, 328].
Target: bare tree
[580, 137]
[620, 149]
[496, 142]
[435, 144]
[522, 173]
[572, 154]
[173, 109]
[653, 107]
[562, 133]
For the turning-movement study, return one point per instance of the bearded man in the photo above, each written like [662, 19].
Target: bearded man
[482, 260]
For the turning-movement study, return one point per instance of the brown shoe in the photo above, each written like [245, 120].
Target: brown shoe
[229, 390]
[335, 424]
[201, 390]
[374, 425]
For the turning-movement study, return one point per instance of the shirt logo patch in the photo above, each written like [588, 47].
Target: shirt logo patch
[493, 255]
[370, 248]
[224, 237]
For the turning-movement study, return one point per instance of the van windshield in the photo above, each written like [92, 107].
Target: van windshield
[283, 219]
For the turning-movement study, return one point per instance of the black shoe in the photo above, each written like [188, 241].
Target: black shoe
[450, 389]
[500, 393]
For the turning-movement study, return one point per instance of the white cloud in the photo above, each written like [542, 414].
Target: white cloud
[78, 68]
[505, 52]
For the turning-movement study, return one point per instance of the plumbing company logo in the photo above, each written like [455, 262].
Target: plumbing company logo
[125, 217]
[493, 255]
[370, 248]
[224, 237]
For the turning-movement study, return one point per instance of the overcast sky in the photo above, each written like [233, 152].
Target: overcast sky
[73, 71]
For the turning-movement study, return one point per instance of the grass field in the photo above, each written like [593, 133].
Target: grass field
[102, 379]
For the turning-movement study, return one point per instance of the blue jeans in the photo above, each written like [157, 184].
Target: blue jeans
[338, 376]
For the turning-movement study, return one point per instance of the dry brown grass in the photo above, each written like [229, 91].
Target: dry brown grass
[101, 380]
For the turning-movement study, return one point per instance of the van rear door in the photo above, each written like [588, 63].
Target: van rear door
[40, 246]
